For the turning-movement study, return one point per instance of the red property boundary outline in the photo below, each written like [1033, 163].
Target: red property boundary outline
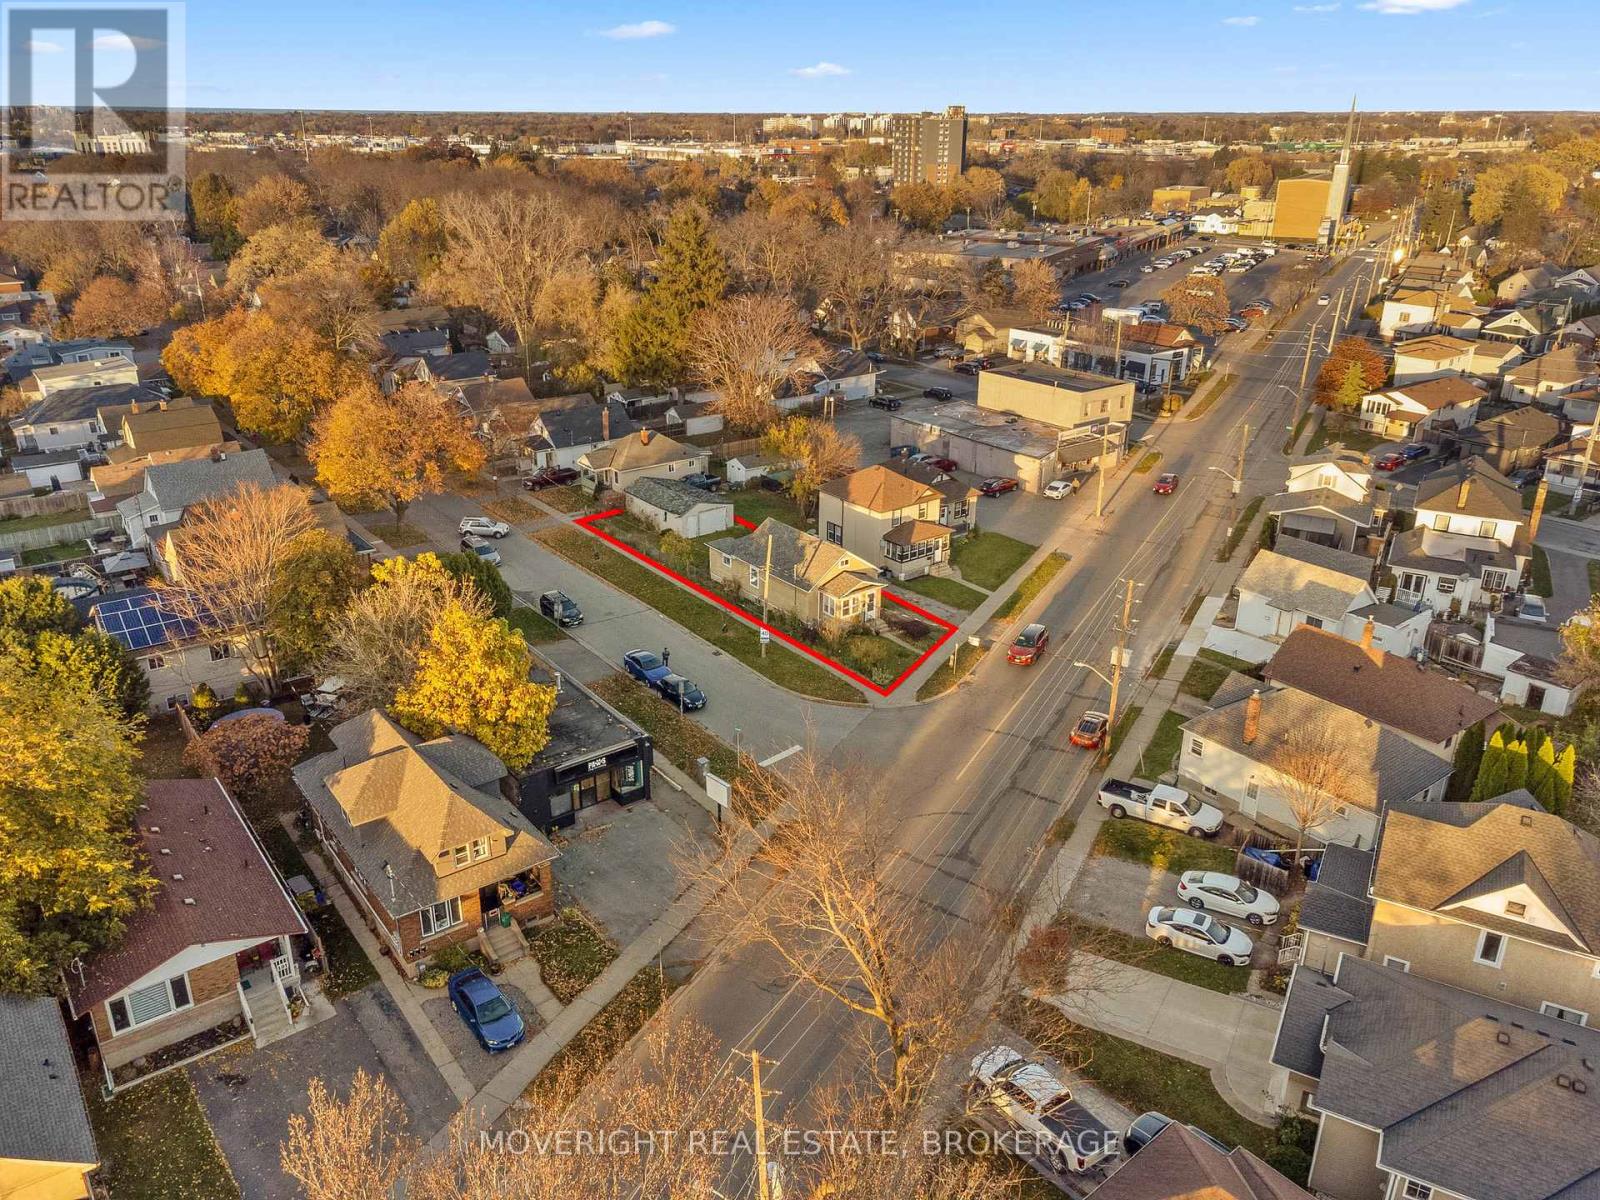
[591, 524]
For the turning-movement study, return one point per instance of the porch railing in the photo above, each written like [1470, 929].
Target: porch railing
[1290, 949]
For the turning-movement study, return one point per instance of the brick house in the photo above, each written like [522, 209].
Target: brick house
[425, 835]
[213, 949]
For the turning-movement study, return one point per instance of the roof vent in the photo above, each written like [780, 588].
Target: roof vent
[155, 829]
[1563, 1081]
[1503, 1038]
[177, 879]
[1527, 820]
[1580, 1087]
[164, 850]
[189, 900]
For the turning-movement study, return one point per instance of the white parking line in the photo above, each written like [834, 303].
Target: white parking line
[780, 756]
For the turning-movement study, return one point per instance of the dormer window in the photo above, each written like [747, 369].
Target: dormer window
[1515, 908]
[474, 851]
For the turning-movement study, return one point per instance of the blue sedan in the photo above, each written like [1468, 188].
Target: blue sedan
[493, 1019]
[646, 667]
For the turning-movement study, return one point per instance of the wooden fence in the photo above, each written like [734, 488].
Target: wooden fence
[44, 505]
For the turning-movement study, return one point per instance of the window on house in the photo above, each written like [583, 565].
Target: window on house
[1491, 949]
[1252, 789]
[755, 576]
[1441, 523]
[1314, 622]
[220, 651]
[1486, 529]
[1411, 582]
[1495, 581]
[1561, 1013]
[149, 1003]
[480, 849]
[827, 605]
[461, 856]
[1416, 1191]
[727, 560]
[154, 662]
[835, 533]
[437, 918]
[1515, 908]
[1390, 960]
[1196, 747]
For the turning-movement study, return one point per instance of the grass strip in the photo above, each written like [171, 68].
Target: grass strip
[1196, 409]
[946, 677]
[1038, 579]
[989, 559]
[1236, 533]
[950, 592]
[1158, 757]
[155, 1142]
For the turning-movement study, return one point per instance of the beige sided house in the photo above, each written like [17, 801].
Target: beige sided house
[821, 585]
[887, 519]
[650, 454]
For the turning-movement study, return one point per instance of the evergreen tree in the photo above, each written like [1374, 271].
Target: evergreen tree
[1516, 767]
[1468, 758]
[1492, 772]
[691, 275]
[1351, 388]
[1542, 774]
[1566, 767]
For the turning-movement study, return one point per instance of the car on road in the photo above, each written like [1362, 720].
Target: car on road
[483, 527]
[685, 694]
[705, 481]
[998, 485]
[1166, 484]
[1200, 934]
[645, 666]
[1033, 1100]
[1415, 451]
[493, 1019]
[1159, 804]
[1029, 645]
[1089, 298]
[1065, 486]
[550, 477]
[890, 403]
[1148, 269]
[482, 547]
[560, 609]
[1324, 299]
[1145, 1127]
[1532, 608]
[1388, 462]
[938, 393]
[875, 357]
[1078, 304]
[1120, 283]
[1235, 324]
[1229, 895]
[1091, 730]
[966, 368]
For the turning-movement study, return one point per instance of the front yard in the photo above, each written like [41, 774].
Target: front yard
[155, 1143]
[1208, 671]
[598, 1042]
[570, 951]
[1162, 849]
[1139, 951]
[757, 504]
[1028, 590]
[946, 677]
[1158, 757]
[989, 559]
[947, 591]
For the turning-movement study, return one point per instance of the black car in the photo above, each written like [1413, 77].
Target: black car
[966, 368]
[875, 357]
[550, 477]
[685, 693]
[704, 481]
[560, 608]
[1120, 283]
[1144, 1129]
[938, 393]
[891, 403]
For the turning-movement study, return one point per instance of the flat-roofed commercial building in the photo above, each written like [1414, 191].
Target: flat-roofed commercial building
[1057, 396]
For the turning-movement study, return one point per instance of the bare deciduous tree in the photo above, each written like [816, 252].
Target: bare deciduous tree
[225, 557]
[856, 280]
[354, 1148]
[747, 349]
[1034, 287]
[1311, 772]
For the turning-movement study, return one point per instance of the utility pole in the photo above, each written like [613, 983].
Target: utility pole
[1100, 471]
[1305, 367]
[766, 590]
[1333, 330]
[1238, 478]
[763, 1184]
[1121, 652]
[305, 146]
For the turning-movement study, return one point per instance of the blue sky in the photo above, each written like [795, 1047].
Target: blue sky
[828, 55]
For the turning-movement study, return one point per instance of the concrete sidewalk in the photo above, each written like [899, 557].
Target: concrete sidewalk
[1231, 1036]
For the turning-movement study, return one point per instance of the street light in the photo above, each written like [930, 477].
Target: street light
[1230, 475]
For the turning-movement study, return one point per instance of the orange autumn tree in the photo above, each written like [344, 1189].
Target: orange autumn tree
[369, 448]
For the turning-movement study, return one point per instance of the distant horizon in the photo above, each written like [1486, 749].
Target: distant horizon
[1106, 114]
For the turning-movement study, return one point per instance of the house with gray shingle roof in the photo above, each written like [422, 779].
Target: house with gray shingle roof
[1301, 583]
[1469, 545]
[47, 1146]
[682, 508]
[171, 488]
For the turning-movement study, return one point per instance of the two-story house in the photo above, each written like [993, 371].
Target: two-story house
[617, 463]
[889, 519]
[175, 655]
[1437, 1024]
[1511, 441]
[1410, 311]
[1468, 547]
[1425, 411]
[74, 418]
[1327, 499]
[1529, 328]
[1546, 379]
[426, 836]
[1430, 357]
[171, 488]
[560, 437]
[821, 585]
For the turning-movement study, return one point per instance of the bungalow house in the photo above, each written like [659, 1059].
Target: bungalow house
[421, 342]
[175, 655]
[887, 518]
[821, 585]
[454, 371]
[1491, 359]
[174, 431]
[1256, 751]
[1585, 332]
[71, 419]
[1510, 441]
[1335, 469]
[1585, 280]
[1430, 357]
[1301, 583]
[989, 330]
[1468, 547]
[958, 502]
[848, 375]
[1567, 461]
[1529, 328]
[1424, 411]
[1541, 380]
[671, 505]
[1323, 515]
[425, 835]
[619, 463]
[1530, 279]
[216, 949]
[47, 1149]
[170, 489]
[562, 436]
[1426, 706]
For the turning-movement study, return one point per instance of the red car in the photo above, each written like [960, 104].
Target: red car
[550, 477]
[997, 487]
[1030, 644]
[1389, 462]
[943, 464]
[1166, 485]
[1090, 731]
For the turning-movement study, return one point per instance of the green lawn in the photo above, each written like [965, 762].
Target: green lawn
[533, 626]
[722, 629]
[1164, 849]
[1038, 579]
[1158, 669]
[1541, 585]
[1350, 437]
[1139, 951]
[945, 590]
[757, 504]
[571, 953]
[681, 739]
[1207, 672]
[597, 1043]
[1141, 1078]
[1125, 720]
[1162, 751]
[989, 559]
[1148, 463]
[1594, 577]
[60, 552]
[399, 537]
[155, 1143]
[566, 499]
[1236, 533]
[945, 678]
[1219, 387]
[42, 520]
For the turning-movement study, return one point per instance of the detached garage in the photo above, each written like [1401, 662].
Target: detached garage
[667, 504]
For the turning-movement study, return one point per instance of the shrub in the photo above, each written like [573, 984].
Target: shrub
[1291, 1161]
[250, 755]
[433, 977]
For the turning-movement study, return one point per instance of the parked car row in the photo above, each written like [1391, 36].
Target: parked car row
[652, 670]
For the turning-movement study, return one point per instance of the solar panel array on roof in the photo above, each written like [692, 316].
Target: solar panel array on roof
[141, 621]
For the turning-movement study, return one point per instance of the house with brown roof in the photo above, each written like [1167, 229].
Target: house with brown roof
[1430, 357]
[1469, 545]
[1547, 378]
[820, 584]
[218, 950]
[887, 518]
[426, 836]
[1178, 1164]
[171, 431]
[958, 502]
[1415, 701]
[616, 464]
[1422, 411]
[1510, 441]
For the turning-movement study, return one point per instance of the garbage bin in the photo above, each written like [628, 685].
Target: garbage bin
[505, 918]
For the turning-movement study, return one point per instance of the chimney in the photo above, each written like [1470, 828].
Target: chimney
[1374, 653]
[605, 420]
[1461, 492]
[133, 406]
[644, 437]
[1252, 717]
[1538, 508]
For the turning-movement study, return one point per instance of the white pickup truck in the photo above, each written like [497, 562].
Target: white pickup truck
[1160, 804]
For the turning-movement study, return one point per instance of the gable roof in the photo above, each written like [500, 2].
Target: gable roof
[649, 449]
[1435, 347]
[1434, 394]
[469, 364]
[1525, 425]
[1336, 901]
[1565, 366]
[46, 1121]
[586, 425]
[180, 484]
[82, 403]
[798, 557]
[1325, 500]
[673, 495]
[1470, 1095]
[1398, 692]
[216, 886]
[879, 489]
[1471, 488]
[404, 343]
[1177, 1164]
[1474, 850]
[171, 427]
[1301, 575]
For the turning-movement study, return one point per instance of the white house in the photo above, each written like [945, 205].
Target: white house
[1564, 463]
[75, 418]
[560, 437]
[1301, 583]
[174, 655]
[1214, 222]
[1410, 312]
[1334, 468]
[851, 376]
[1413, 411]
[1429, 357]
[1545, 379]
[170, 488]
[670, 504]
[50, 468]
[1468, 547]
[743, 469]
[1523, 657]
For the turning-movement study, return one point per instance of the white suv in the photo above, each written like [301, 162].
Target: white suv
[483, 527]
[1035, 1102]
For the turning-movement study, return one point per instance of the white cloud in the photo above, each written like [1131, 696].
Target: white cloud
[1246, 21]
[1409, 8]
[38, 47]
[820, 71]
[1316, 8]
[639, 29]
[122, 41]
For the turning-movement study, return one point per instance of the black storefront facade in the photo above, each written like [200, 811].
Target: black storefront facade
[594, 755]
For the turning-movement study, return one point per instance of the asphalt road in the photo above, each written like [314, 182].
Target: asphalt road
[982, 774]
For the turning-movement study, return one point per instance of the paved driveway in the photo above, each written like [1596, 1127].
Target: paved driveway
[249, 1096]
